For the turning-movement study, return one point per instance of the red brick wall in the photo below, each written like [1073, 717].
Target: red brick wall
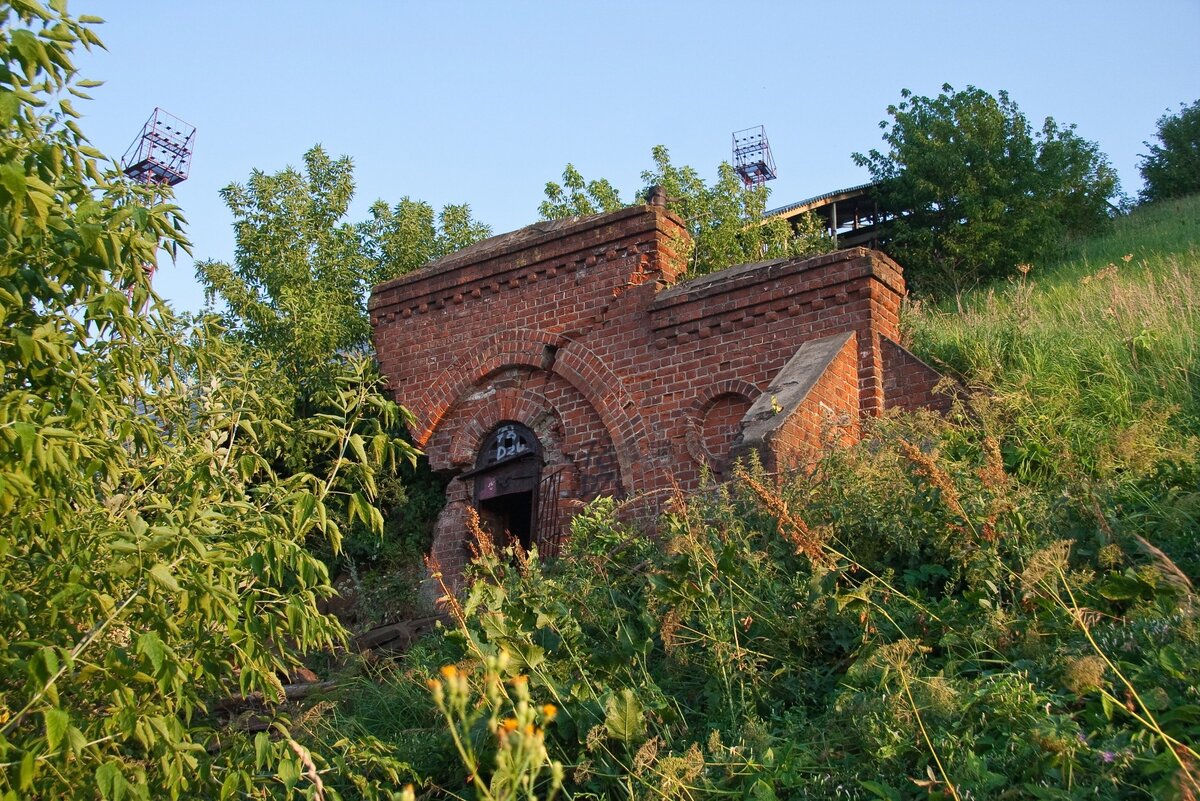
[570, 328]
[908, 382]
[555, 302]
[743, 325]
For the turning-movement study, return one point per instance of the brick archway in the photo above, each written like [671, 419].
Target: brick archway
[520, 348]
[701, 405]
[572, 361]
[521, 406]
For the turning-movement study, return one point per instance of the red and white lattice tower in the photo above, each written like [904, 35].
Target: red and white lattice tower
[752, 159]
[162, 153]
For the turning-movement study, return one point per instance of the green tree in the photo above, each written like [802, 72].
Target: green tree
[150, 559]
[296, 292]
[1172, 168]
[974, 190]
[297, 289]
[725, 219]
[399, 239]
[576, 197]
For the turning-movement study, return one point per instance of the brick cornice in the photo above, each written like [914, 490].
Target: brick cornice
[812, 277]
[546, 248]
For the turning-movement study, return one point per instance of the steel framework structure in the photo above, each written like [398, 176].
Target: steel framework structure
[162, 152]
[752, 159]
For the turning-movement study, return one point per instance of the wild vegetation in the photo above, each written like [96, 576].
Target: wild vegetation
[724, 218]
[1172, 167]
[973, 189]
[294, 299]
[154, 557]
[998, 603]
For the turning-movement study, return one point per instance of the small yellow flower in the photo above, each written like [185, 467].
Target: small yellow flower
[433, 684]
[549, 711]
[529, 729]
[449, 671]
[509, 724]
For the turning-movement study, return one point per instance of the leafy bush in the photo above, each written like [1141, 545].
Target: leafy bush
[1172, 167]
[909, 621]
[724, 218]
[974, 191]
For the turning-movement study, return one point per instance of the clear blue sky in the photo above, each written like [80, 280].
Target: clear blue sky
[483, 102]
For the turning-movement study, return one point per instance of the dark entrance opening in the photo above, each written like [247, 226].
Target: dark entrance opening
[507, 474]
[509, 518]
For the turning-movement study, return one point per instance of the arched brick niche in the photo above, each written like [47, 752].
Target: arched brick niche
[547, 356]
[716, 420]
[721, 421]
[569, 428]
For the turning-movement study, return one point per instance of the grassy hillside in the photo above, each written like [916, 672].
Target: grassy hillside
[1113, 327]
[1095, 361]
[998, 604]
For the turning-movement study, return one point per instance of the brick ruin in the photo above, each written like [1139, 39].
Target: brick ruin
[561, 362]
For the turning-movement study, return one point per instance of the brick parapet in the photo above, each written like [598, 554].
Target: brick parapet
[638, 235]
[784, 286]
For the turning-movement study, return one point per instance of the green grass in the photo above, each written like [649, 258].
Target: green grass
[1095, 357]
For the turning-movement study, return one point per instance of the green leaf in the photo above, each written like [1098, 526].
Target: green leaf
[12, 178]
[623, 717]
[262, 750]
[359, 508]
[44, 665]
[28, 771]
[356, 443]
[880, 790]
[151, 646]
[1125, 587]
[1173, 662]
[57, 723]
[302, 512]
[288, 773]
[762, 791]
[137, 525]
[160, 574]
[10, 106]
[229, 786]
[1106, 703]
[110, 781]
[76, 740]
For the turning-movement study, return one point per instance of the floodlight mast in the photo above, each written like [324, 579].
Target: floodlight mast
[752, 159]
[162, 153]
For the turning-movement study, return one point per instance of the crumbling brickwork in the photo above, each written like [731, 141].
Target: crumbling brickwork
[632, 383]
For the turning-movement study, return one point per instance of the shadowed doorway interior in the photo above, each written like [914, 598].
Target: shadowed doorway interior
[507, 472]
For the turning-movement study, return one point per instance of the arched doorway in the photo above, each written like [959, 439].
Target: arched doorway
[507, 475]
